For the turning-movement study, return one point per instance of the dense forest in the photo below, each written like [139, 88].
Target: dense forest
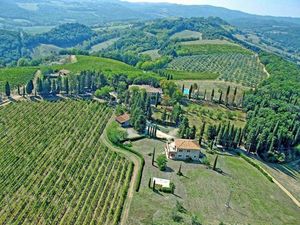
[15, 45]
[273, 126]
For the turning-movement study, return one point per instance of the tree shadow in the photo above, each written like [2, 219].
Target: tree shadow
[168, 170]
[178, 196]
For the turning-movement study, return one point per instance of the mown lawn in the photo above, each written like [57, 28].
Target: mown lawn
[203, 192]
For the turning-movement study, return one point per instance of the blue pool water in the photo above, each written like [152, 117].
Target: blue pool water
[186, 91]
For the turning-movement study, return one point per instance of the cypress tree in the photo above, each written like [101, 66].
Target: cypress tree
[156, 99]
[193, 132]
[153, 188]
[39, 85]
[23, 91]
[29, 87]
[227, 95]
[297, 137]
[179, 173]
[164, 116]
[212, 95]
[202, 133]
[149, 184]
[204, 97]
[234, 95]
[220, 98]
[237, 138]
[215, 163]
[66, 85]
[19, 91]
[153, 157]
[190, 92]
[7, 89]
[182, 89]
[220, 135]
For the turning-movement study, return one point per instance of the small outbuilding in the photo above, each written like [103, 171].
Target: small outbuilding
[161, 183]
[124, 120]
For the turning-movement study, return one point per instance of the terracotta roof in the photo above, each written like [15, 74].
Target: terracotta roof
[123, 118]
[148, 88]
[187, 144]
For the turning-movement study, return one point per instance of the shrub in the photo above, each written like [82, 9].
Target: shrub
[162, 162]
[115, 134]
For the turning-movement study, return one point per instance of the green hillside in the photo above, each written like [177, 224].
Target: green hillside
[107, 66]
[16, 75]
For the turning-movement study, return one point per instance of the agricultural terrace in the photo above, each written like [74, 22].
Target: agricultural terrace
[16, 75]
[54, 168]
[203, 193]
[105, 65]
[235, 67]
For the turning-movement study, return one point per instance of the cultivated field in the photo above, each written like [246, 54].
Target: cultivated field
[204, 193]
[16, 76]
[187, 34]
[152, 53]
[105, 65]
[235, 67]
[217, 85]
[54, 168]
[103, 45]
[187, 75]
[199, 49]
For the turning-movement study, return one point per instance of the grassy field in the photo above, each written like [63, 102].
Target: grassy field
[37, 29]
[187, 34]
[235, 67]
[103, 45]
[54, 168]
[187, 75]
[287, 174]
[214, 114]
[45, 50]
[203, 192]
[16, 76]
[152, 53]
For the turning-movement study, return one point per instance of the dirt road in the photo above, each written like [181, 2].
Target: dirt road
[137, 164]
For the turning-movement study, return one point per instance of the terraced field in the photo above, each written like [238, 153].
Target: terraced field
[235, 67]
[54, 168]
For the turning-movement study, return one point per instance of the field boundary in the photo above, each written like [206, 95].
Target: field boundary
[272, 179]
[136, 174]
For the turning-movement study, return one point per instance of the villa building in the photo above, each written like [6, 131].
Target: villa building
[183, 149]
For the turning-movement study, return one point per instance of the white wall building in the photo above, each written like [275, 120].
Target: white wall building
[183, 149]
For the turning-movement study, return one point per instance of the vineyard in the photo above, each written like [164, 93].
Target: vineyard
[234, 67]
[16, 75]
[53, 167]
